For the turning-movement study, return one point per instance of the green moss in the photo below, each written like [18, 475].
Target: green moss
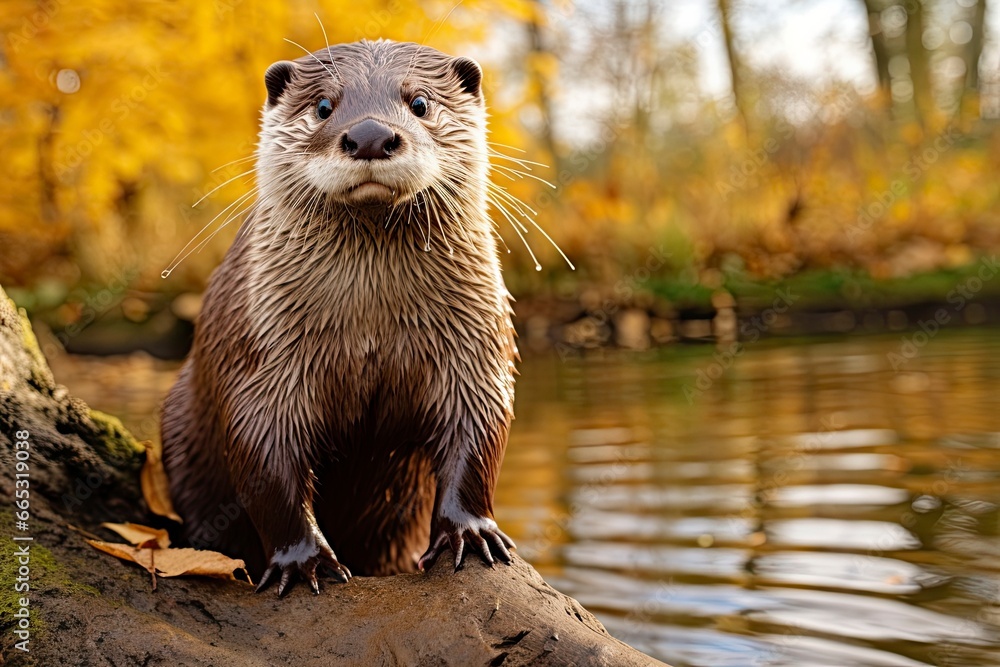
[42, 566]
[30, 343]
[116, 440]
[834, 288]
[684, 294]
[47, 573]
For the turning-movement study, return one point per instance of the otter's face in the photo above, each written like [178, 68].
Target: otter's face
[372, 124]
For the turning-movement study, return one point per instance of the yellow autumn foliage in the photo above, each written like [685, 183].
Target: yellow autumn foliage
[117, 116]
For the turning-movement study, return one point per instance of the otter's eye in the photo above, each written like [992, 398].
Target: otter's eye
[419, 106]
[324, 109]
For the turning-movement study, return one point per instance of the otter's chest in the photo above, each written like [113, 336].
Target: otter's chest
[354, 335]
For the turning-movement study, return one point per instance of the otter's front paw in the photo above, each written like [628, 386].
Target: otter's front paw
[302, 559]
[480, 532]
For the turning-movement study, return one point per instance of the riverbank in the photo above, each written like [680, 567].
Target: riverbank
[726, 308]
[718, 307]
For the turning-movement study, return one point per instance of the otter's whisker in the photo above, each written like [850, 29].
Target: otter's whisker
[237, 203]
[425, 201]
[498, 191]
[222, 185]
[225, 222]
[252, 157]
[518, 203]
[520, 163]
[441, 22]
[293, 198]
[523, 162]
[304, 208]
[396, 213]
[453, 203]
[500, 238]
[236, 161]
[521, 174]
[305, 237]
[437, 216]
[434, 28]
[503, 211]
[497, 196]
[389, 218]
[554, 244]
[327, 40]
[310, 53]
[443, 202]
[181, 256]
[514, 201]
[507, 176]
[508, 146]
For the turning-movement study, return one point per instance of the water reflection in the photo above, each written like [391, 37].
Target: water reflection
[811, 506]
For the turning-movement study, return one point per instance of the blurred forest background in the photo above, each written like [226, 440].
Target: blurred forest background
[693, 166]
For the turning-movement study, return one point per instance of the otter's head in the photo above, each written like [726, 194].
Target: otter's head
[372, 124]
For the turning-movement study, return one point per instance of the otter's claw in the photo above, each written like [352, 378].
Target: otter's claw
[302, 559]
[482, 534]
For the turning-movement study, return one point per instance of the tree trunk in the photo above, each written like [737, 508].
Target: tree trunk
[968, 102]
[539, 78]
[880, 48]
[735, 65]
[47, 167]
[923, 95]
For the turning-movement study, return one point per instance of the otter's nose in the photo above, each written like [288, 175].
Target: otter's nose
[370, 140]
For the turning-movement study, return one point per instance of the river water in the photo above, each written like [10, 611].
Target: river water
[820, 502]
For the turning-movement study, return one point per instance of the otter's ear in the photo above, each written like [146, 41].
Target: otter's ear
[276, 79]
[469, 74]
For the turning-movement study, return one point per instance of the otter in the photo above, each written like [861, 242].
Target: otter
[349, 392]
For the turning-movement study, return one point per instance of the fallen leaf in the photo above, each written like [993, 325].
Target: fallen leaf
[175, 562]
[155, 485]
[179, 562]
[141, 536]
[85, 533]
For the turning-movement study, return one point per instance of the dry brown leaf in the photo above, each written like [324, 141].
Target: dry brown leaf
[141, 536]
[143, 557]
[179, 562]
[155, 486]
[175, 562]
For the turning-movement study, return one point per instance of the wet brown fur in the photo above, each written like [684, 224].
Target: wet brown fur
[343, 376]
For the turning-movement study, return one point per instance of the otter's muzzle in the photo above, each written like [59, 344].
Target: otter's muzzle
[370, 140]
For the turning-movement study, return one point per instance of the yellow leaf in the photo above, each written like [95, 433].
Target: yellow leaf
[155, 485]
[175, 562]
[142, 536]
